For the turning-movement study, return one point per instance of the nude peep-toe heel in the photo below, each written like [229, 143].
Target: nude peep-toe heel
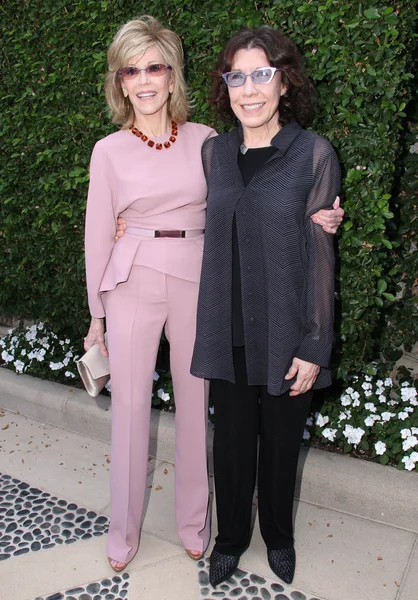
[116, 565]
[194, 554]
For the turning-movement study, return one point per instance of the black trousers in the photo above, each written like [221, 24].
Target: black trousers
[243, 415]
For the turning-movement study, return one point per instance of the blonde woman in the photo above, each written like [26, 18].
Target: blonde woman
[149, 172]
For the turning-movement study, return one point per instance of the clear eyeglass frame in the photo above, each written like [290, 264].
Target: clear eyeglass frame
[262, 75]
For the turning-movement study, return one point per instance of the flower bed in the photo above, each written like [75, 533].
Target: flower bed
[38, 351]
[375, 416]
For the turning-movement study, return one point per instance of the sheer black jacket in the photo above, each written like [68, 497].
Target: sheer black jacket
[286, 261]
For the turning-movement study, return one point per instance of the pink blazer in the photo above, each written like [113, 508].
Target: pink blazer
[151, 189]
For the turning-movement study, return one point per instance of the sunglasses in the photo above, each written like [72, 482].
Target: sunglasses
[153, 70]
[261, 75]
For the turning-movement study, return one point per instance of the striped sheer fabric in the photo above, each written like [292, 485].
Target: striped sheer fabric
[286, 261]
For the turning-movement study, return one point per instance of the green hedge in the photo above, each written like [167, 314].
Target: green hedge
[52, 111]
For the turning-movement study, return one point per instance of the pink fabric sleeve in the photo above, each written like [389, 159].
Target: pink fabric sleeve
[100, 227]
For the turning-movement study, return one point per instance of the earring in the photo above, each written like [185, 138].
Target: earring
[125, 93]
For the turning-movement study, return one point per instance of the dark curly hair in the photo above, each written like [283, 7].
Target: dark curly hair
[298, 103]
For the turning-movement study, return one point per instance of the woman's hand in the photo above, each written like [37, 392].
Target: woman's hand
[96, 336]
[331, 219]
[305, 373]
[120, 230]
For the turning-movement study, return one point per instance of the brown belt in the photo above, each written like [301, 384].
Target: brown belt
[165, 233]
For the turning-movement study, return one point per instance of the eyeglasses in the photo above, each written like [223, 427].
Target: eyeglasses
[261, 75]
[153, 70]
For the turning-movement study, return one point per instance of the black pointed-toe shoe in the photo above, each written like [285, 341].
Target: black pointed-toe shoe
[222, 567]
[283, 562]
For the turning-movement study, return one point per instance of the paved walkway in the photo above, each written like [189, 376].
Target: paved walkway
[356, 522]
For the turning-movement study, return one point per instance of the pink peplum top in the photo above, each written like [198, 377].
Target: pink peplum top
[151, 189]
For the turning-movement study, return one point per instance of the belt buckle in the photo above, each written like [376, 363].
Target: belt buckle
[170, 233]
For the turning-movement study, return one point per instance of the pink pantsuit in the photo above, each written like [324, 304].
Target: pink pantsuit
[143, 284]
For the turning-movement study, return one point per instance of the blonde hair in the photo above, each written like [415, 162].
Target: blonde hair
[136, 37]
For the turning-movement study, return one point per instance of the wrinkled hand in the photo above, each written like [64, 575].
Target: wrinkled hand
[120, 230]
[331, 219]
[305, 373]
[96, 336]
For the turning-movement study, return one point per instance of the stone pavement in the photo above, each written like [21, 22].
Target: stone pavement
[356, 522]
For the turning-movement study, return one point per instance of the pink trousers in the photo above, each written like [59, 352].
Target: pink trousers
[136, 312]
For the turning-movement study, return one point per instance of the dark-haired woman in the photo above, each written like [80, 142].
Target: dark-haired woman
[264, 342]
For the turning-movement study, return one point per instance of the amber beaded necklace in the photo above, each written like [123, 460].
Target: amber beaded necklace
[151, 143]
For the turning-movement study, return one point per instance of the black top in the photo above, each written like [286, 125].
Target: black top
[249, 163]
[286, 260]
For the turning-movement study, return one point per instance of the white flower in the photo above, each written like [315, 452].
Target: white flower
[368, 393]
[329, 434]
[410, 442]
[369, 421]
[370, 406]
[355, 396]
[69, 374]
[403, 415]
[320, 420]
[408, 393]
[379, 382]
[19, 366]
[66, 360]
[7, 357]
[366, 386]
[356, 403]
[406, 433]
[38, 354]
[414, 431]
[69, 354]
[212, 410]
[353, 434]
[306, 435]
[393, 402]
[309, 421]
[30, 335]
[409, 464]
[23, 352]
[2, 343]
[349, 390]
[386, 416]
[67, 341]
[156, 376]
[382, 399]
[342, 416]
[404, 384]
[56, 366]
[45, 343]
[367, 378]
[388, 382]
[163, 395]
[380, 448]
[345, 400]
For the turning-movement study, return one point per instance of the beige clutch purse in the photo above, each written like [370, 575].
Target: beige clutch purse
[94, 370]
